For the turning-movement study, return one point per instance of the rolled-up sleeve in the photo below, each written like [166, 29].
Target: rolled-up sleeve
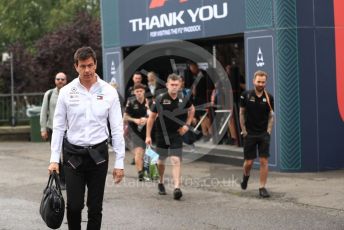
[59, 127]
[116, 126]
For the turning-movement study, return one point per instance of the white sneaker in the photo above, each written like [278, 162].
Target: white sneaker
[190, 148]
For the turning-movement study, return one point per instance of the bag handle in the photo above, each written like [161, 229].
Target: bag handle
[268, 100]
[54, 177]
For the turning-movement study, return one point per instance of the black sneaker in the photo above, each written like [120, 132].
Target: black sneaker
[177, 194]
[244, 182]
[161, 189]
[140, 175]
[263, 193]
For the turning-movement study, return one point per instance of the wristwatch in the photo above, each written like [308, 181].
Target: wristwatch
[187, 126]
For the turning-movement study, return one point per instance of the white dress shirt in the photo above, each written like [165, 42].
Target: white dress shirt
[85, 115]
[152, 88]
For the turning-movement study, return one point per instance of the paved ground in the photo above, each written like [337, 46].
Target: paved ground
[212, 197]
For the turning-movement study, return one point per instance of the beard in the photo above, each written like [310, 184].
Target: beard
[259, 89]
[173, 91]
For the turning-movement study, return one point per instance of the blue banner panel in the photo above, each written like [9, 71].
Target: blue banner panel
[143, 21]
[260, 56]
[113, 68]
[110, 24]
[330, 124]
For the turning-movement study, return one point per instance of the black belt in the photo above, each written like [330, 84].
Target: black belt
[78, 151]
[88, 147]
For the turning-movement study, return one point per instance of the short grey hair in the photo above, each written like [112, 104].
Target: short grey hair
[174, 77]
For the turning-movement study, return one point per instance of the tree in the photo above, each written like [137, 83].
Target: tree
[27, 21]
[23, 69]
[39, 54]
[55, 51]
[35, 72]
[22, 21]
[65, 10]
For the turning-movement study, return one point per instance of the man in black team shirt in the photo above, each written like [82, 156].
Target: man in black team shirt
[136, 78]
[172, 124]
[256, 120]
[136, 114]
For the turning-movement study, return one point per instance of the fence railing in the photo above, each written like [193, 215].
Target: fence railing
[22, 101]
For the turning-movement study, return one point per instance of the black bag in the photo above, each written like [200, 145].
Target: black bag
[52, 205]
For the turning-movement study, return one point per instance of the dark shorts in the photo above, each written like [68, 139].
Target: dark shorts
[138, 140]
[254, 142]
[173, 148]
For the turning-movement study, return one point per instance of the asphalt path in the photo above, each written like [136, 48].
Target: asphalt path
[212, 198]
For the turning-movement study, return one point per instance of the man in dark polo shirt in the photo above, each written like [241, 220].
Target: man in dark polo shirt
[136, 114]
[256, 120]
[136, 78]
[175, 115]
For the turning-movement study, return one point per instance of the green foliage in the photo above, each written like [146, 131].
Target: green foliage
[56, 50]
[22, 21]
[26, 21]
[43, 36]
[65, 11]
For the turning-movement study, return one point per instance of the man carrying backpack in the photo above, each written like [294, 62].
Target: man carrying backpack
[47, 113]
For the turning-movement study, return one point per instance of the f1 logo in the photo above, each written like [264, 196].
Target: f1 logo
[339, 36]
[161, 3]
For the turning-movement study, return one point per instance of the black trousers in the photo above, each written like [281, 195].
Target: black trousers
[93, 176]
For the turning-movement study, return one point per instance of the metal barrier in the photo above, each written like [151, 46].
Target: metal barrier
[22, 101]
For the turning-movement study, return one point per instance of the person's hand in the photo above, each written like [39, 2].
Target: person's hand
[143, 121]
[182, 130]
[117, 175]
[53, 167]
[244, 133]
[44, 135]
[137, 121]
[148, 141]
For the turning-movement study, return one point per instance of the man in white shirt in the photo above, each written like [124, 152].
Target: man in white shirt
[85, 106]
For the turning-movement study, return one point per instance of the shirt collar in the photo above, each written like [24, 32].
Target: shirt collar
[97, 84]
